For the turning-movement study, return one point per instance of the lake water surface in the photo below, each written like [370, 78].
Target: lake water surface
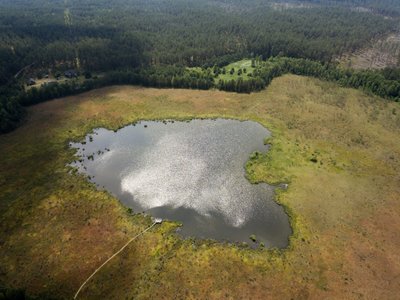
[192, 172]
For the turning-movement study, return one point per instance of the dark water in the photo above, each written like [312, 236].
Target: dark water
[191, 172]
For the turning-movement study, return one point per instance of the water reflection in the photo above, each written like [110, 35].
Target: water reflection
[191, 172]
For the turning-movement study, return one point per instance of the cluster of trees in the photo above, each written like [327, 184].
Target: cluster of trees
[241, 85]
[11, 110]
[11, 113]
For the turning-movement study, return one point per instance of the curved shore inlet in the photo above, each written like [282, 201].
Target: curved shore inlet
[192, 172]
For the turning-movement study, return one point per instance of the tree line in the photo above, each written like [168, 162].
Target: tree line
[384, 83]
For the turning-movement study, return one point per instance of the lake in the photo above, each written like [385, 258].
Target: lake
[192, 172]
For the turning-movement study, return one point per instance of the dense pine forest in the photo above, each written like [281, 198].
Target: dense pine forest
[161, 43]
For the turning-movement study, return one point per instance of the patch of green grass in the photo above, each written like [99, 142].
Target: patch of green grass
[244, 65]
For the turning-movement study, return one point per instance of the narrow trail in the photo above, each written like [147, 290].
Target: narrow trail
[23, 69]
[157, 221]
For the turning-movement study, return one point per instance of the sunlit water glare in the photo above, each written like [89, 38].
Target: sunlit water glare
[191, 172]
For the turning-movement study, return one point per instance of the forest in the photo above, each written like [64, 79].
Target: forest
[154, 42]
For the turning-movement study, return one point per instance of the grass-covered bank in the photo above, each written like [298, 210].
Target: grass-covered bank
[336, 147]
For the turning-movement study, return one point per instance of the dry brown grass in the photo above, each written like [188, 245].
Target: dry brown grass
[56, 228]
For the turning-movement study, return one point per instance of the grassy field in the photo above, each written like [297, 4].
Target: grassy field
[338, 149]
[242, 64]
